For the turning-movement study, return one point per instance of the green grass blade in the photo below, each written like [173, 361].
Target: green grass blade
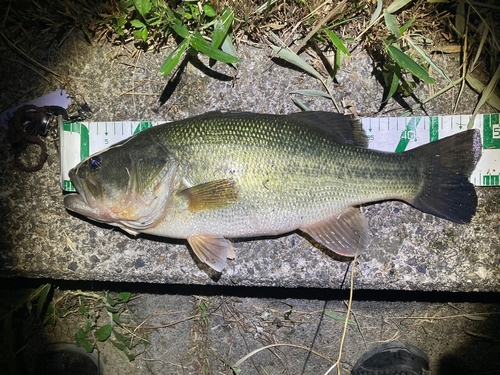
[485, 95]
[428, 59]
[21, 301]
[406, 62]
[493, 100]
[484, 29]
[228, 46]
[181, 30]
[376, 14]
[407, 25]
[312, 93]
[176, 24]
[174, 58]
[474, 317]
[278, 40]
[221, 27]
[41, 300]
[460, 17]
[201, 45]
[336, 67]
[265, 6]
[337, 42]
[339, 317]
[431, 97]
[287, 54]
[301, 104]
[394, 82]
[397, 5]
[392, 23]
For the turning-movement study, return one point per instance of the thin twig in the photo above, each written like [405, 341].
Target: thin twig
[249, 355]
[346, 322]
[20, 51]
[464, 62]
[167, 324]
[464, 315]
[29, 66]
[338, 9]
[6, 15]
[359, 326]
[136, 93]
[442, 91]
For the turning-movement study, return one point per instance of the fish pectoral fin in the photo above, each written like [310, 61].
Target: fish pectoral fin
[211, 195]
[212, 250]
[346, 234]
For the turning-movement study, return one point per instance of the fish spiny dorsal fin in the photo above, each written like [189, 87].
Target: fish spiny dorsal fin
[211, 195]
[346, 234]
[338, 127]
[212, 250]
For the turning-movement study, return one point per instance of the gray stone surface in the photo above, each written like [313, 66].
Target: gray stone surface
[409, 250]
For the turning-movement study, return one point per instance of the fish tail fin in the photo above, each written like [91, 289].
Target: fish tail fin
[446, 166]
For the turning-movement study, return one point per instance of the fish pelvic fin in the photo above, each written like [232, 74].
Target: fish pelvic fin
[212, 250]
[346, 234]
[211, 195]
[446, 167]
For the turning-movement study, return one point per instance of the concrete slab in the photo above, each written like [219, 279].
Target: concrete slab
[409, 250]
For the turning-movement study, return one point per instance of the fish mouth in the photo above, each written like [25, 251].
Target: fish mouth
[87, 197]
[74, 202]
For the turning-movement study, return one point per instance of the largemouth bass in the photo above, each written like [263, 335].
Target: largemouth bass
[236, 174]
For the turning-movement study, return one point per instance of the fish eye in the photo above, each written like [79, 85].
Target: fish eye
[95, 162]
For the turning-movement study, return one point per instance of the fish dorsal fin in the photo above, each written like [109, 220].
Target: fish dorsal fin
[212, 250]
[345, 234]
[211, 195]
[338, 127]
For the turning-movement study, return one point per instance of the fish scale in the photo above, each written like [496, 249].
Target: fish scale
[293, 171]
[233, 174]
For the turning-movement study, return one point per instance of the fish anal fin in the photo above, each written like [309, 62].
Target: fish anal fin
[212, 250]
[211, 195]
[346, 234]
